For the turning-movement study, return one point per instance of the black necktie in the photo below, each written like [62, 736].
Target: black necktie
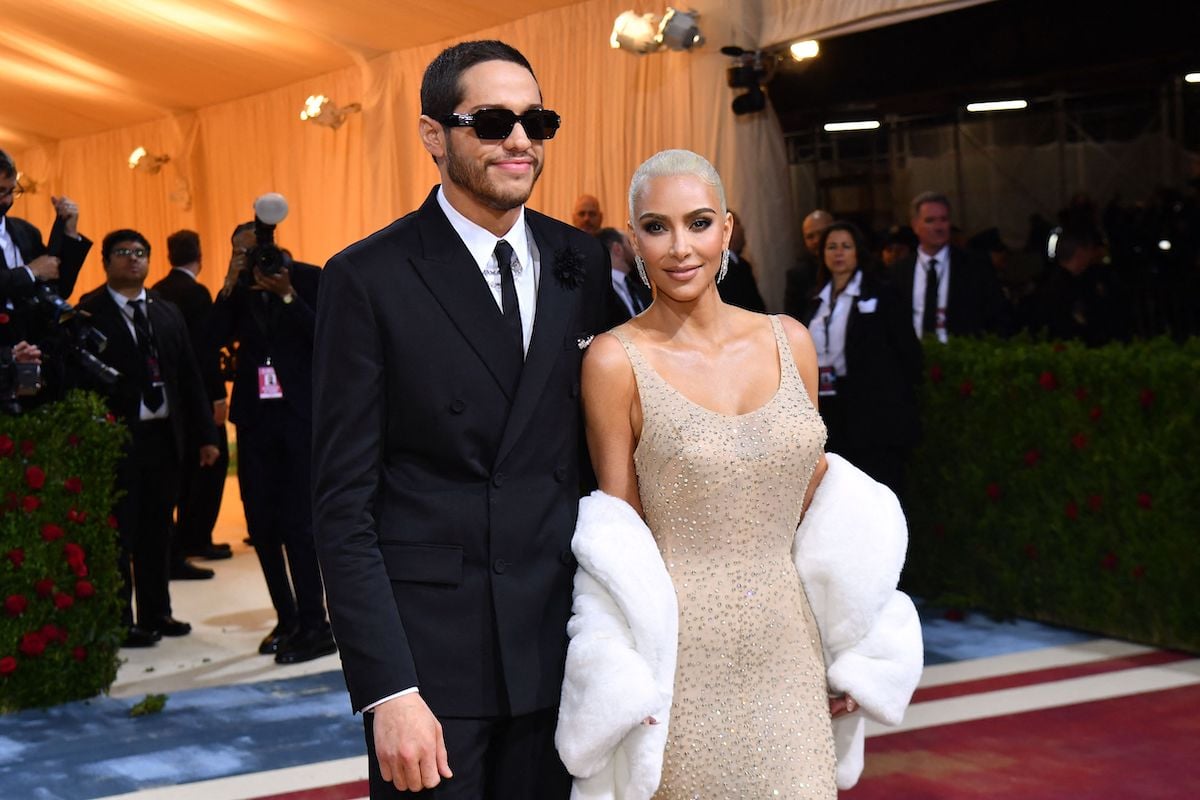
[152, 393]
[635, 297]
[508, 296]
[929, 322]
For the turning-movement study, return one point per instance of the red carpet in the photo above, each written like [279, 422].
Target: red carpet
[1142, 747]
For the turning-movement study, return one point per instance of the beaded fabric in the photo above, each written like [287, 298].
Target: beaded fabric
[723, 495]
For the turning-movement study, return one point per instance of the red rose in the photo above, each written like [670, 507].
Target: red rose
[12, 501]
[1146, 398]
[1031, 552]
[1048, 381]
[15, 605]
[1071, 510]
[30, 503]
[1144, 501]
[84, 589]
[1096, 413]
[79, 653]
[50, 532]
[966, 388]
[1058, 347]
[1095, 502]
[79, 569]
[44, 587]
[6, 446]
[35, 477]
[33, 644]
[4, 318]
[1079, 441]
[1110, 561]
[73, 484]
[77, 516]
[73, 553]
[27, 447]
[935, 373]
[954, 614]
[109, 418]
[52, 633]
[17, 557]
[1081, 394]
[73, 440]
[1138, 572]
[993, 491]
[63, 601]
[8, 665]
[112, 522]
[1032, 457]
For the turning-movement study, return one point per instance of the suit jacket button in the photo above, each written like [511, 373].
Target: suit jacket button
[560, 474]
[457, 407]
[566, 557]
[498, 480]
[499, 566]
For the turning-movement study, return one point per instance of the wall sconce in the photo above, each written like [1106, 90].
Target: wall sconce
[28, 185]
[320, 110]
[142, 161]
[676, 30]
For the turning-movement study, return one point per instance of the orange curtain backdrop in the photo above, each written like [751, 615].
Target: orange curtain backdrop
[617, 110]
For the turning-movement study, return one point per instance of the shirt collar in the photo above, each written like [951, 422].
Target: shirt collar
[185, 271]
[853, 288]
[481, 242]
[121, 300]
[942, 256]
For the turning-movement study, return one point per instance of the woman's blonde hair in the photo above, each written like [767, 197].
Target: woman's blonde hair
[672, 163]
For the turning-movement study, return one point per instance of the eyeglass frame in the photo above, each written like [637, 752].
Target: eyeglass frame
[462, 120]
[136, 252]
[16, 191]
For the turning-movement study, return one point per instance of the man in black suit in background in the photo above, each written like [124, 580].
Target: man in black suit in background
[271, 318]
[627, 296]
[160, 396]
[447, 448]
[200, 490]
[952, 292]
[738, 287]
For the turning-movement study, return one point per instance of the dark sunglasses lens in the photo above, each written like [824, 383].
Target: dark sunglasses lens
[540, 124]
[494, 123]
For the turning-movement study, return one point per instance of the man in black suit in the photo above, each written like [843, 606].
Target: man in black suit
[448, 448]
[738, 287]
[270, 317]
[952, 293]
[160, 396]
[200, 490]
[25, 261]
[802, 278]
[627, 295]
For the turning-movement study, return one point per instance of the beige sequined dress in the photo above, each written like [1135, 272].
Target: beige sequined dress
[723, 495]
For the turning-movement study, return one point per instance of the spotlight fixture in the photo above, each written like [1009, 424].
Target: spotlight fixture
[998, 105]
[647, 33]
[856, 125]
[809, 48]
[320, 110]
[146, 162]
[1192, 77]
[751, 70]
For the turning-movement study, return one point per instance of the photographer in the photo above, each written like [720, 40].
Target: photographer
[267, 307]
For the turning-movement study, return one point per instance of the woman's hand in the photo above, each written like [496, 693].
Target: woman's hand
[841, 705]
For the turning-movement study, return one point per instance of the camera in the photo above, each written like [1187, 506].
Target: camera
[269, 210]
[16, 380]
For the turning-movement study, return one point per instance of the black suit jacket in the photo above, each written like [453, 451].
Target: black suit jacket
[189, 412]
[739, 287]
[975, 304]
[446, 474]
[800, 282]
[17, 286]
[193, 300]
[884, 366]
[619, 313]
[265, 327]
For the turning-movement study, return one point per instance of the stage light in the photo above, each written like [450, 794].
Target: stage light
[998, 105]
[857, 125]
[320, 110]
[751, 71]
[679, 31]
[809, 48]
[1164, 244]
[1192, 77]
[635, 33]
[146, 162]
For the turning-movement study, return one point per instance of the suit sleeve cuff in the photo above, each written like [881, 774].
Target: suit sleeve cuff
[381, 701]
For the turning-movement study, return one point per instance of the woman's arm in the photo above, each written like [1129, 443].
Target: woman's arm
[805, 356]
[613, 417]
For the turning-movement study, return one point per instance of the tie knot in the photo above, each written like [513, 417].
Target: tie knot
[504, 255]
[931, 265]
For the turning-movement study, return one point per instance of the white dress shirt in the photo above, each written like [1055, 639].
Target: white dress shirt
[828, 327]
[12, 255]
[482, 245]
[920, 272]
[122, 302]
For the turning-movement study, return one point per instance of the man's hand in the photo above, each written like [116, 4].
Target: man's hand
[280, 283]
[220, 412]
[44, 268]
[66, 208]
[26, 353]
[409, 744]
[236, 264]
[209, 455]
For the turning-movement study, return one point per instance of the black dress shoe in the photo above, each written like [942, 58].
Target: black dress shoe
[169, 626]
[305, 646]
[183, 571]
[273, 640]
[212, 552]
[140, 637]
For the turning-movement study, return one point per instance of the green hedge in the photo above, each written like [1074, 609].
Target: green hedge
[60, 628]
[1060, 483]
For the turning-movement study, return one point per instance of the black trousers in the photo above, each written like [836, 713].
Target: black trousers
[148, 475]
[199, 502]
[499, 758]
[274, 465]
[886, 463]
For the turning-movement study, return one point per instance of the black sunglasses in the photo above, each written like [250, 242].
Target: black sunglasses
[497, 123]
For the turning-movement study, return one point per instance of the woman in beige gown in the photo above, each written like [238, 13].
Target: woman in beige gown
[702, 417]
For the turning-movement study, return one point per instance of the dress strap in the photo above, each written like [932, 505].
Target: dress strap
[787, 361]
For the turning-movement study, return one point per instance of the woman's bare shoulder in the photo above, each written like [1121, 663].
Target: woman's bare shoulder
[606, 358]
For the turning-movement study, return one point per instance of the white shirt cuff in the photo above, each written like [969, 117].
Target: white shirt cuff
[380, 702]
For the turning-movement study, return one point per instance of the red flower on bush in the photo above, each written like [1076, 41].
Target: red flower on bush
[1071, 510]
[1110, 561]
[77, 516]
[112, 522]
[15, 605]
[73, 484]
[79, 653]
[1138, 572]
[1032, 457]
[17, 557]
[966, 388]
[1095, 502]
[44, 587]
[30, 504]
[52, 633]
[8, 665]
[1079, 441]
[1048, 381]
[1081, 394]
[12, 501]
[1144, 501]
[63, 601]
[1031, 552]
[1146, 398]
[35, 477]
[1058, 347]
[1096, 413]
[73, 440]
[27, 447]
[935, 373]
[84, 589]
[50, 532]
[109, 418]
[6, 446]
[73, 553]
[993, 491]
[33, 644]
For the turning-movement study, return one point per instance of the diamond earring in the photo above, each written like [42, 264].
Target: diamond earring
[724, 266]
[641, 268]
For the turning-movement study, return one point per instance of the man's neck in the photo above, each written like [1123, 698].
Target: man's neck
[128, 292]
[193, 268]
[930, 250]
[493, 220]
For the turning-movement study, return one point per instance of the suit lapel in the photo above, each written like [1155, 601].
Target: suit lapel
[120, 341]
[555, 303]
[454, 279]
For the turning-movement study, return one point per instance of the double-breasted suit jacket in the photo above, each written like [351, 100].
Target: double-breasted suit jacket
[446, 472]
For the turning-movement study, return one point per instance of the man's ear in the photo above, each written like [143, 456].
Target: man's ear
[432, 136]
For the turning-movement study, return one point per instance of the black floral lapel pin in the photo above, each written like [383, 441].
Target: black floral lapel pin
[569, 267]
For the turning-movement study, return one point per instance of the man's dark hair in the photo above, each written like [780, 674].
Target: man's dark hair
[8, 167]
[441, 89]
[245, 226]
[609, 236]
[928, 197]
[183, 247]
[122, 235]
[862, 252]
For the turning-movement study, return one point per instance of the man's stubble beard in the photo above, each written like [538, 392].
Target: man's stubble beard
[472, 177]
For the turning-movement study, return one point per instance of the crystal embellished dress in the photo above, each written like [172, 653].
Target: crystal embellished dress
[723, 495]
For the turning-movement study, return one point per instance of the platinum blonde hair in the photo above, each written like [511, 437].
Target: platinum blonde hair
[672, 163]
